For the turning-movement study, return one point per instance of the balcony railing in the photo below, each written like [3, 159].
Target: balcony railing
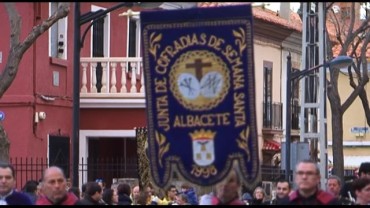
[272, 115]
[112, 77]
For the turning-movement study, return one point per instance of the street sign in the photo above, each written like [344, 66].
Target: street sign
[2, 116]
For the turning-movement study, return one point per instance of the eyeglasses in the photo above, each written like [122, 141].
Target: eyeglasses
[308, 173]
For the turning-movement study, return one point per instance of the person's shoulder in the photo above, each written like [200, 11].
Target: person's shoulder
[237, 202]
[83, 202]
[267, 202]
[326, 198]
[19, 198]
[71, 199]
[285, 201]
[42, 200]
[345, 201]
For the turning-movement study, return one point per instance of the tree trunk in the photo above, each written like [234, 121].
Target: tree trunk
[337, 132]
[4, 145]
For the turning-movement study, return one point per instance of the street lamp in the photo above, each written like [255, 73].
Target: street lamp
[338, 62]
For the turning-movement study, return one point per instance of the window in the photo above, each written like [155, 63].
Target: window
[100, 44]
[133, 34]
[295, 88]
[267, 92]
[100, 35]
[267, 82]
[364, 10]
[57, 35]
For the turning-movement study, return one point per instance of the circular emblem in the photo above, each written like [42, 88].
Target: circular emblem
[199, 80]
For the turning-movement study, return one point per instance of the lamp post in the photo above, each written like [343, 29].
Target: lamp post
[338, 62]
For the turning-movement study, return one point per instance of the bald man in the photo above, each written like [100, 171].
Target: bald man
[135, 194]
[54, 185]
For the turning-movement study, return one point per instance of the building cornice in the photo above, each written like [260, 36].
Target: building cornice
[353, 143]
[112, 103]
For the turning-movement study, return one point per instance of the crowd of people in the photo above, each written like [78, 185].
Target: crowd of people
[54, 189]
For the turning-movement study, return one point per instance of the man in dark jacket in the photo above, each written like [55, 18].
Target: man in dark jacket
[9, 196]
[363, 172]
[30, 189]
[283, 189]
[307, 180]
[93, 195]
[124, 192]
[333, 186]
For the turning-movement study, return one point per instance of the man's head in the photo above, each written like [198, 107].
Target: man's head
[185, 187]
[334, 185]
[94, 190]
[135, 192]
[171, 192]
[229, 188]
[7, 178]
[100, 182]
[364, 171]
[283, 189]
[307, 176]
[124, 188]
[259, 193]
[54, 184]
[182, 199]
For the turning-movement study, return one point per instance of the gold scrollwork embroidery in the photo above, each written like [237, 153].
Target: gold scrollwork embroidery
[243, 142]
[163, 147]
[240, 39]
[154, 45]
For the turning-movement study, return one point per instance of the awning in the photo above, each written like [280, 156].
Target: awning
[269, 144]
[351, 161]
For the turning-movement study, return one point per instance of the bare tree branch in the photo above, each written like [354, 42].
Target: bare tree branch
[353, 41]
[61, 12]
[18, 49]
[335, 22]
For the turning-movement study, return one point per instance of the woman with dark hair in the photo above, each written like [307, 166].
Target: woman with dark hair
[110, 197]
[361, 187]
[124, 191]
[30, 189]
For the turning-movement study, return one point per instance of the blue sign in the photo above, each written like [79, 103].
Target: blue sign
[2, 116]
[200, 94]
[356, 130]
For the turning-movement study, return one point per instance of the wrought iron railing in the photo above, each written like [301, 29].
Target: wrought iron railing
[108, 169]
[272, 115]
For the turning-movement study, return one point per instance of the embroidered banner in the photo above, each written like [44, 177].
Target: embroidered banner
[200, 94]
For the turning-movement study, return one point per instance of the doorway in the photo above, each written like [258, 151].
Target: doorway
[112, 158]
[59, 153]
